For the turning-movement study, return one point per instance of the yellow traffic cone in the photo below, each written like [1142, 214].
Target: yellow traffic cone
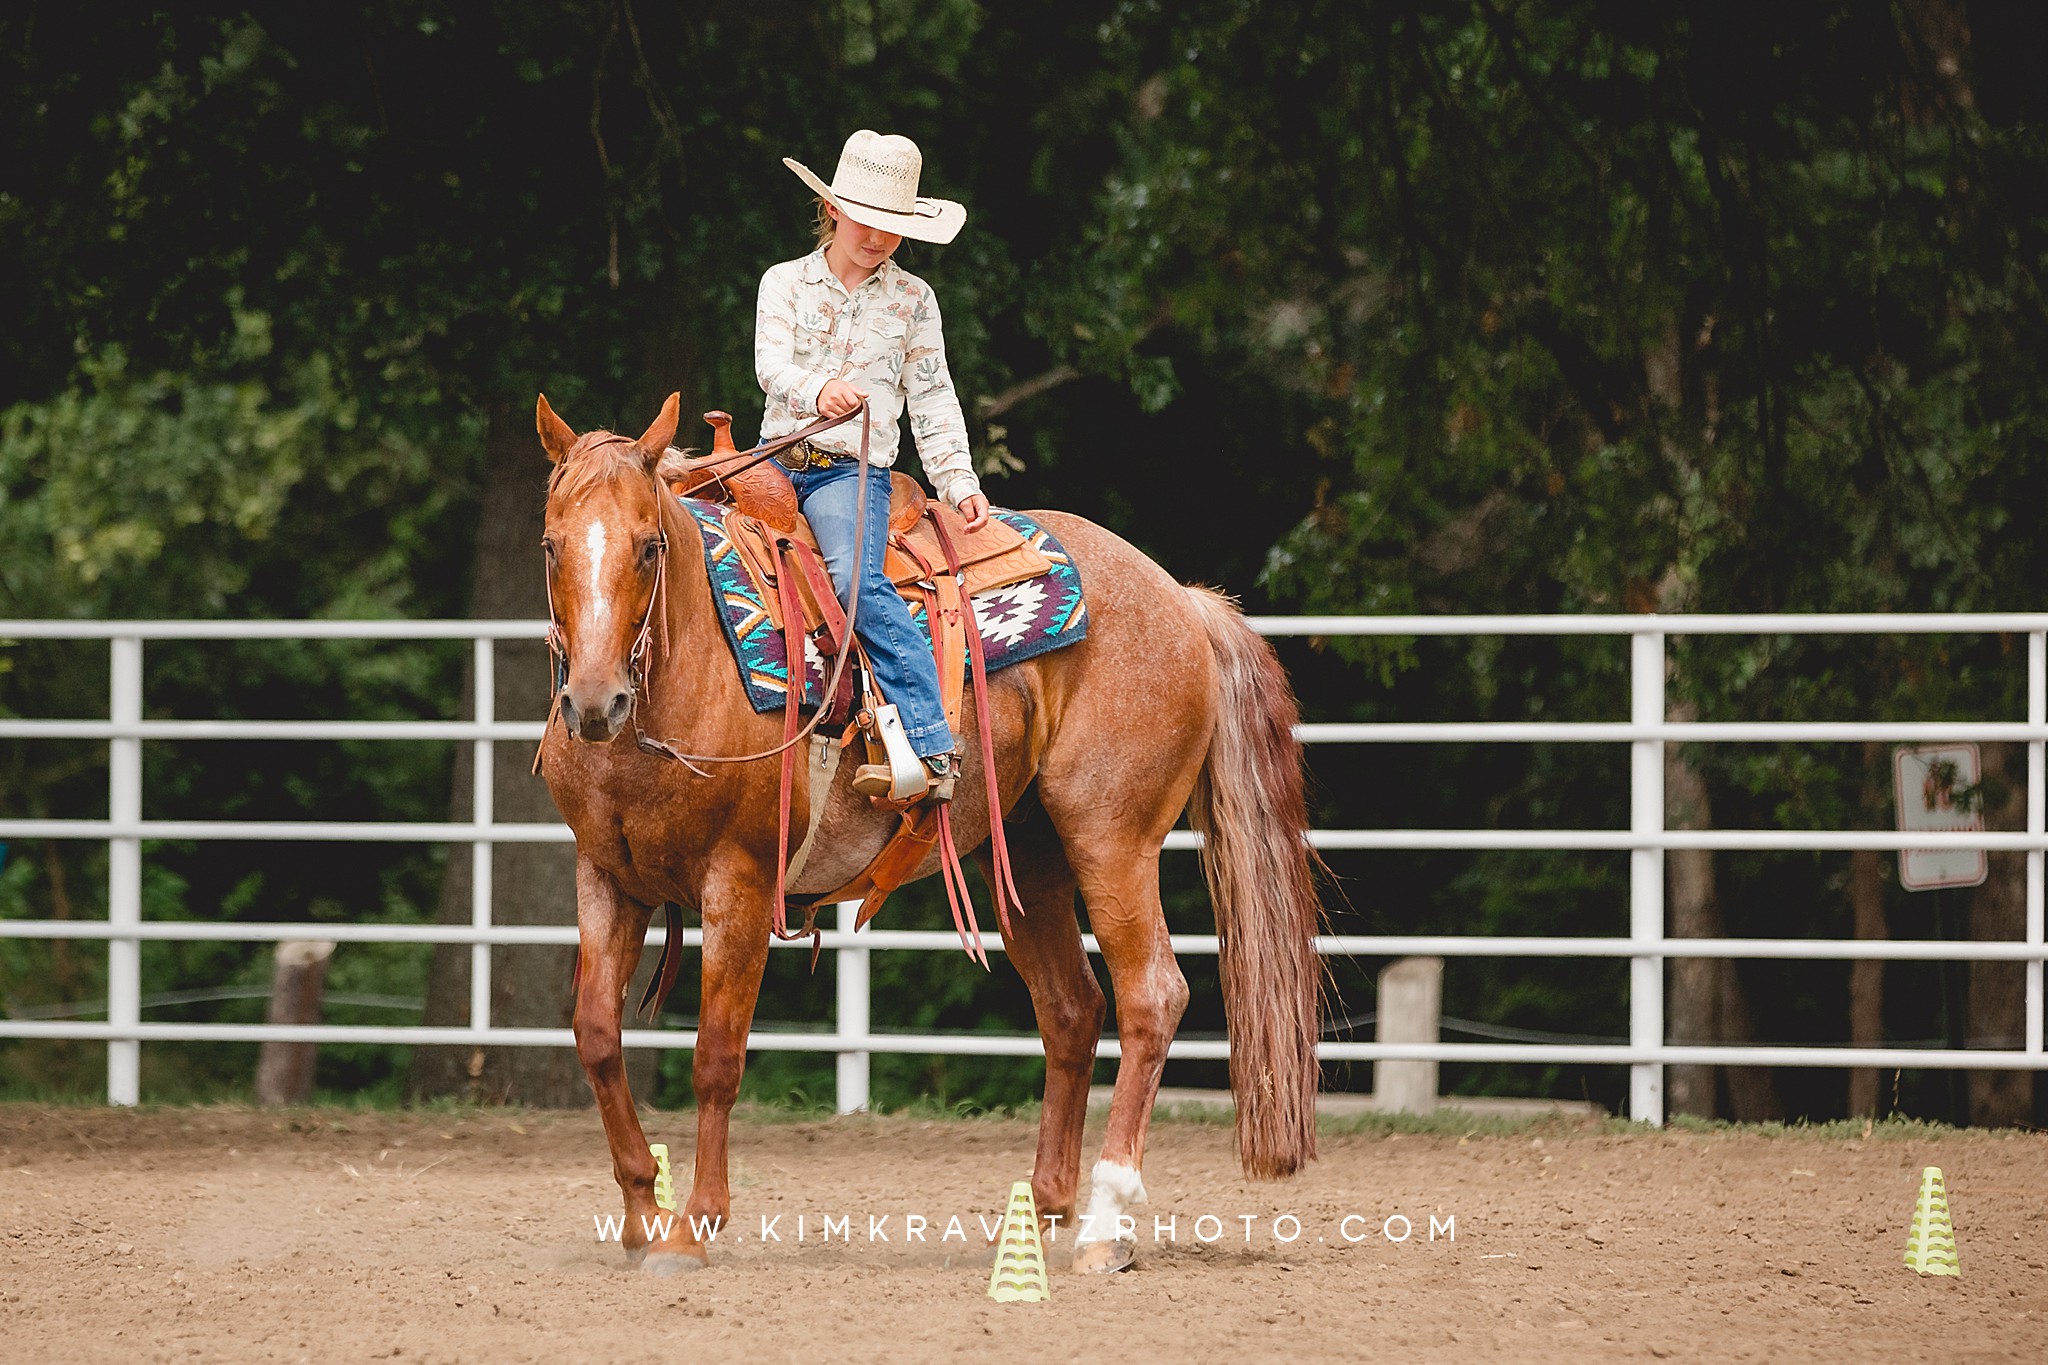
[1931, 1245]
[664, 1178]
[1019, 1274]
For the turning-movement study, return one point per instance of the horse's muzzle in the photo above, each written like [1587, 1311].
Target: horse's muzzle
[597, 723]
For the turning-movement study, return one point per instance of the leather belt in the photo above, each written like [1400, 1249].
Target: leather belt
[804, 455]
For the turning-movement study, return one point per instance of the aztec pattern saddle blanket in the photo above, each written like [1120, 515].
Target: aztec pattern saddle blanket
[1018, 622]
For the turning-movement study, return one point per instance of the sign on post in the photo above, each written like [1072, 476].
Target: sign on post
[1936, 787]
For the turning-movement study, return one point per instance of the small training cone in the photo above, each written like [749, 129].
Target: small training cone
[1931, 1245]
[664, 1178]
[1019, 1275]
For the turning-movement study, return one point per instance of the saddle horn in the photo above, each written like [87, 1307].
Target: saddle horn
[721, 433]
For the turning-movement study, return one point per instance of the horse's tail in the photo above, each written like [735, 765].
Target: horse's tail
[1250, 808]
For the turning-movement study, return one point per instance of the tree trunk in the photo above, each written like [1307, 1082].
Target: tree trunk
[531, 883]
[1694, 1006]
[1866, 979]
[1752, 1090]
[1998, 910]
[1706, 1001]
[1866, 907]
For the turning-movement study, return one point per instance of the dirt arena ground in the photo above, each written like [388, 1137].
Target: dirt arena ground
[227, 1234]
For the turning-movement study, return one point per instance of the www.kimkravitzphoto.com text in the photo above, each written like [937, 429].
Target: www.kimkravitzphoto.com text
[972, 1229]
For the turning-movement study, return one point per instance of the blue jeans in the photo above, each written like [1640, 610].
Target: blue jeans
[903, 665]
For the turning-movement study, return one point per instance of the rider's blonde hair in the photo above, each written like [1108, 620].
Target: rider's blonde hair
[823, 226]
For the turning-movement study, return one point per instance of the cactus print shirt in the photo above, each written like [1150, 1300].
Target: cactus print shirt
[883, 337]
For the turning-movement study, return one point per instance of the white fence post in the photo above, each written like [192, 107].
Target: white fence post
[1646, 877]
[484, 771]
[2037, 809]
[852, 965]
[124, 872]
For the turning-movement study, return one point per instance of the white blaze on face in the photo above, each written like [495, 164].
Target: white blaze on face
[600, 600]
[1115, 1188]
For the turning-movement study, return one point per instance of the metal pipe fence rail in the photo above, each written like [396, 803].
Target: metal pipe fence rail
[1646, 840]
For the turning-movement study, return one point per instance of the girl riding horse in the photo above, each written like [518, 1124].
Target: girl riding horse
[1168, 702]
[840, 325]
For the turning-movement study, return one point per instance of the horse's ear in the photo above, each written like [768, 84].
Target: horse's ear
[555, 436]
[655, 441]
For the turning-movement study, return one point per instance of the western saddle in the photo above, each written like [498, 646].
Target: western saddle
[936, 563]
[994, 556]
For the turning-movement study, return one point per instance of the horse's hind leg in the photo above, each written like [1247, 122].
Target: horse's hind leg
[1045, 946]
[1120, 884]
[610, 931]
[1111, 829]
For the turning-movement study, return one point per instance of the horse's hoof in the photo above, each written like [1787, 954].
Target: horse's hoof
[663, 1264]
[1106, 1258]
[635, 1255]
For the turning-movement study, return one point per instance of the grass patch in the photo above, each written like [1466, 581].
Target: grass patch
[1449, 1121]
[1453, 1122]
[1896, 1128]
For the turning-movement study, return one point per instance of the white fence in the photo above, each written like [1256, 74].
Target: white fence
[1646, 839]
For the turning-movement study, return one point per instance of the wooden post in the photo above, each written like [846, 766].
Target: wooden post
[1410, 1005]
[284, 1071]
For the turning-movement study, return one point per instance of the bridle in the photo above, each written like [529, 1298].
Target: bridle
[643, 637]
[657, 604]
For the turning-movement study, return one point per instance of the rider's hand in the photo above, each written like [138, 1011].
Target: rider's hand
[974, 507]
[837, 398]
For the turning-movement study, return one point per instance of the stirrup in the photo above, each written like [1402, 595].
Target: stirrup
[941, 771]
[873, 779]
[900, 776]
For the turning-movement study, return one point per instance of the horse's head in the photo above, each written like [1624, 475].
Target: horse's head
[605, 557]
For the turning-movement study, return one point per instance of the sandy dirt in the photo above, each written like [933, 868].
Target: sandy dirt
[224, 1234]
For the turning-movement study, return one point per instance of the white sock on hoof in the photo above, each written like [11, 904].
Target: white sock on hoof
[1114, 1189]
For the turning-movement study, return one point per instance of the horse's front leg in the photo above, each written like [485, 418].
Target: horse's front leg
[610, 932]
[736, 933]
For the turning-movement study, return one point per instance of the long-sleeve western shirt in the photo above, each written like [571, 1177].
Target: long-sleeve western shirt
[884, 338]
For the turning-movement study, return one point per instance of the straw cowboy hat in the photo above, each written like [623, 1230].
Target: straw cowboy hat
[876, 186]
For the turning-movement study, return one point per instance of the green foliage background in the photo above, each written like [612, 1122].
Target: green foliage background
[1485, 306]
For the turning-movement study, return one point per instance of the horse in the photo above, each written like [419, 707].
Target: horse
[1169, 703]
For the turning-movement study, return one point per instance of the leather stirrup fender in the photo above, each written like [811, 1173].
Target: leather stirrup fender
[914, 839]
[907, 848]
[816, 583]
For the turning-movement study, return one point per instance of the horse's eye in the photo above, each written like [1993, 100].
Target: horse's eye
[649, 551]
[547, 547]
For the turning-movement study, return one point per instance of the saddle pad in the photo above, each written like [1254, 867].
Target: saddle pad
[1018, 622]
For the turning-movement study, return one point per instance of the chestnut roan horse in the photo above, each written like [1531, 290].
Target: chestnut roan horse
[1171, 702]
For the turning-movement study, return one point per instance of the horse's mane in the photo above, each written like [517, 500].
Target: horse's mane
[597, 458]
